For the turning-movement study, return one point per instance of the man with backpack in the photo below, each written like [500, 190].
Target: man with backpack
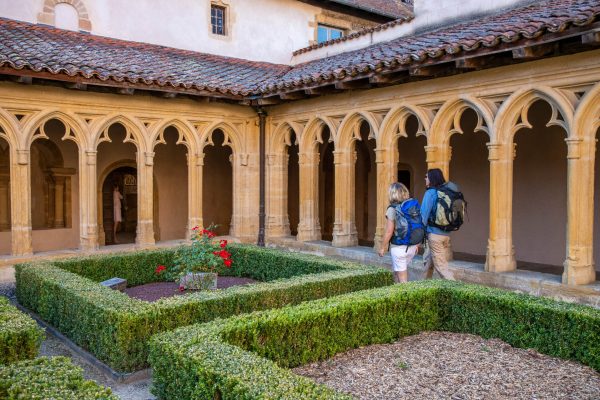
[442, 211]
[404, 230]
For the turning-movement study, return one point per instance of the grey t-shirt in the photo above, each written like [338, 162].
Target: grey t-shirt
[390, 215]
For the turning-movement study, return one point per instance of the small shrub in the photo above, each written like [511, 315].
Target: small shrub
[49, 378]
[20, 336]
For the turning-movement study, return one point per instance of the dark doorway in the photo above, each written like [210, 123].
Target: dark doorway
[326, 188]
[293, 187]
[126, 179]
[217, 185]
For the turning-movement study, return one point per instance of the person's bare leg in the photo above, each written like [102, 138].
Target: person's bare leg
[401, 276]
[116, 225]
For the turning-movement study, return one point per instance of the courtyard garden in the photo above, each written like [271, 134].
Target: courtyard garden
[285, 325]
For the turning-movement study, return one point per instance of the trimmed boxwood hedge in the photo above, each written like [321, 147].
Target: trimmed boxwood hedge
[116, 328]
[245, 357]
[20, 336]
[49, 378]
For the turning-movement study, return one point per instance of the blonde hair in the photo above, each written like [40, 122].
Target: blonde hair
[397, 193]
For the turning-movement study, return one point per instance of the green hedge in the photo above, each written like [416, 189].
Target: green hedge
[116, 328]
[48, 378]
[20, 336]
[245, 357]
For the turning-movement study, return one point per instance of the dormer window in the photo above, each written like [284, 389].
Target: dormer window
[217, 19]
[325, 33]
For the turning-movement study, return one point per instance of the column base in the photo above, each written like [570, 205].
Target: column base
[495, 262]
[145, 234]
[21, 241]
[89, 243]
[308, 235]
[344, 240]
[578, 274]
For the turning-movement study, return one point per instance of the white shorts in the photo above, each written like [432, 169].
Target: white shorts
[402, 256]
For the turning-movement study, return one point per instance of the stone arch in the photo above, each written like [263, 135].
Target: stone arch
[75, 129]
[586, 119]
[282, 137]
[8, 129]
[184, 128]
[233, 137]
[394, 124]
[47, 16]
[349, 130]
[313, 133]
[133, 128]
[512, 114]
[447, 119]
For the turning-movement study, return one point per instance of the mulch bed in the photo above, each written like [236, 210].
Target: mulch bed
[443, 365]
[157, 290]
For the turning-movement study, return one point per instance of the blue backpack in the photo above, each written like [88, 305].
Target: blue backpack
[409, 229]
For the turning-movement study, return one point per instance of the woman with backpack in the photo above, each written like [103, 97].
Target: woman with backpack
[404, 230]
[438, 235]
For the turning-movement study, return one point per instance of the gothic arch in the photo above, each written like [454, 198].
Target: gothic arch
[282, 137]
[47, 16]
[75, 129]
[184, 129]
[313, 133]
[394, 123]
[8, 129]
[447, 120]
[232, 137]
[349, 130]
[586, 120]
[133, 128]
[512, 115]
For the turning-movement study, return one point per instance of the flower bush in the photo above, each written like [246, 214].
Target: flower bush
[206, 254]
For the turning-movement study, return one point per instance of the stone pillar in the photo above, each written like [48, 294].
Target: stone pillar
[88, 201]
[579, 263]
[195, 165]
[500, 251]
[20, 192]
[145, 223]
[439, 157]
[387, 164]
[278, 223]
[309, 227]
[4, 202]
[59, 201]
[344, 227]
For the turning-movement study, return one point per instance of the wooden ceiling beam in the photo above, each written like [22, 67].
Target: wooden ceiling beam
[534, 52]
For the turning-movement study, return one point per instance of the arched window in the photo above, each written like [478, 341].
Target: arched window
[66, 17]
[66, 14]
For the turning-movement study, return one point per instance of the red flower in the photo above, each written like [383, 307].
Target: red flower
[181, 288]
[227, 263]
[205, 231]
[223, 243]
[160, 269]
[224, 254]
[216, 253]
[211, 234]
[195, 228]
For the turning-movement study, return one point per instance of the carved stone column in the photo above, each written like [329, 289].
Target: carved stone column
[20, 191]
[439, 157]
[500, 251]
[4, 201]
[88, 201]
[344, 227]
[309, 227]
[579, 263]
[195, 165]
[145, 223]
[277, 224]
[387, 165]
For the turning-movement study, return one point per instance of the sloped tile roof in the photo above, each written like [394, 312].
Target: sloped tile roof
[66, 55]
[389, 8]
[532, 21]
[46, 49]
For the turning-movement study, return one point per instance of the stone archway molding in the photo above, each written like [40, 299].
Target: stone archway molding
[47, 16]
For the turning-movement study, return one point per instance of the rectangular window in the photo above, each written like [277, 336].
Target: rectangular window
[325, 33]
[217, 19]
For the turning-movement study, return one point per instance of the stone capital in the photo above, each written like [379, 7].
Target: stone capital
[23, 157]
[149, 158]
[573, 147]
[91, 157]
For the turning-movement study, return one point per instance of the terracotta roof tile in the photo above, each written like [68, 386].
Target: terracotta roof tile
[46, 49]
[508, 26]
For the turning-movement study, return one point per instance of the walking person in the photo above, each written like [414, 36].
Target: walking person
[442, 210]
[117, 215]
[404, 230]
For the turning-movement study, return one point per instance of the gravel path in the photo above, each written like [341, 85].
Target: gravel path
[443, 365]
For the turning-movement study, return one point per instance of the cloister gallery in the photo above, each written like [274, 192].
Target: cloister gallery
[517, 132]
